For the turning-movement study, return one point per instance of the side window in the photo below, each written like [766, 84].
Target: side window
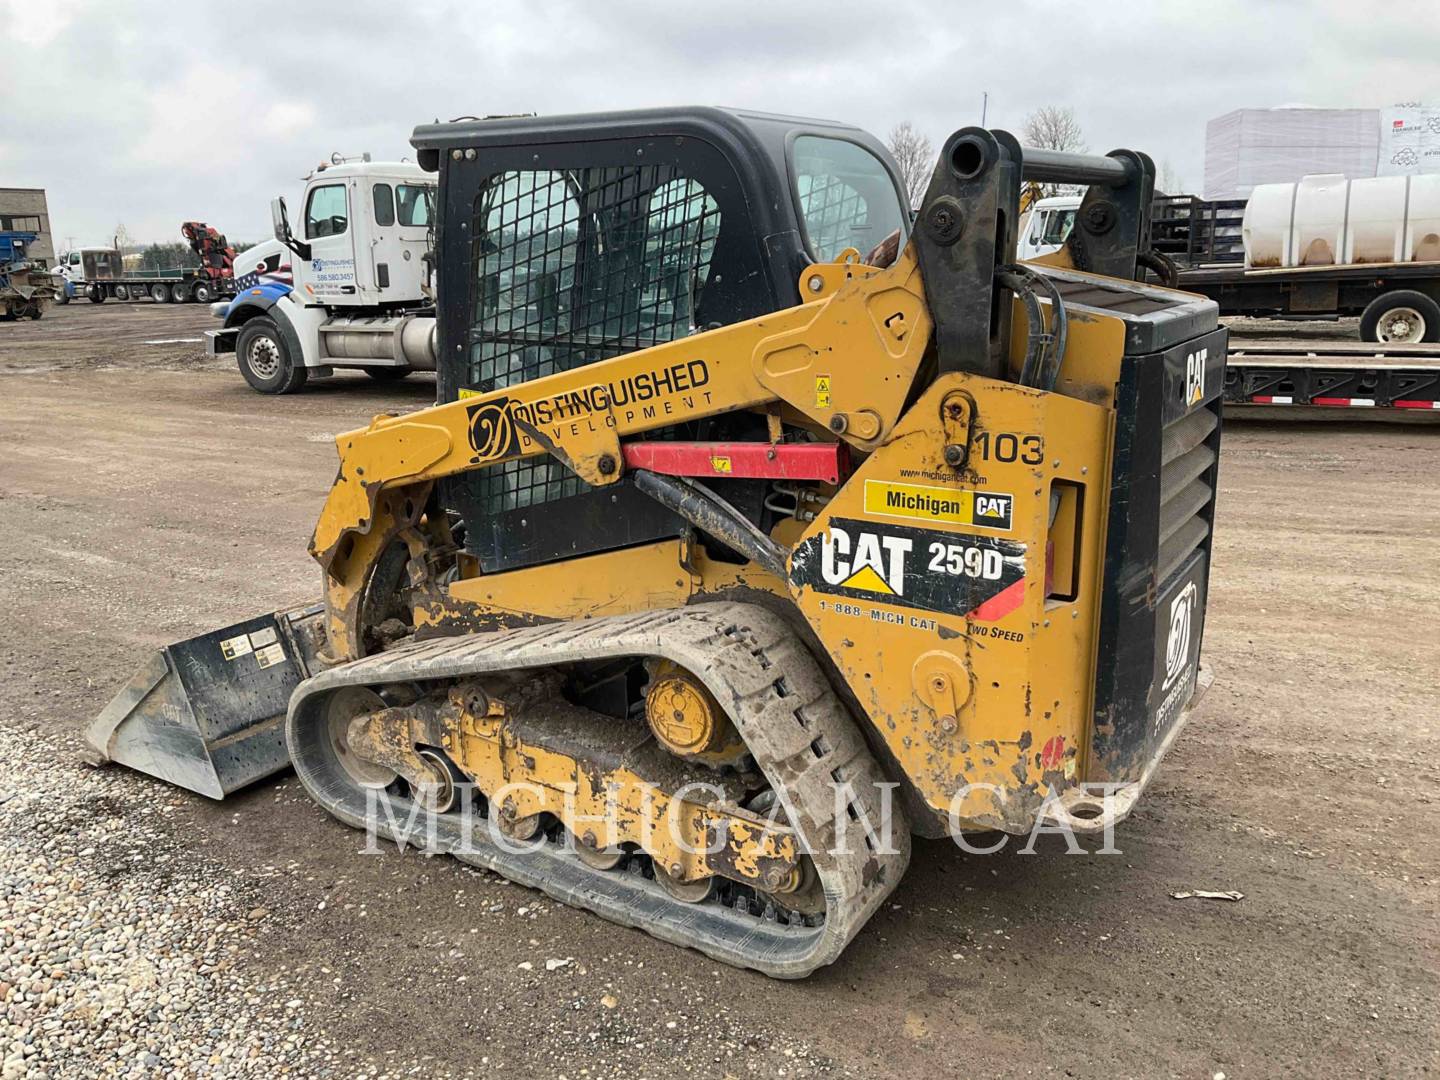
[1058, 226]
[573, 267]
[847, 199]
[384, 204]
[680, 232]
[325, 211]
[527, 233]
[412, 201]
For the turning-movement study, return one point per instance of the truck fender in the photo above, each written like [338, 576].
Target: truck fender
[249, 306]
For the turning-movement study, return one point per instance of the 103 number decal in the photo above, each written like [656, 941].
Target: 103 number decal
[1007, 447]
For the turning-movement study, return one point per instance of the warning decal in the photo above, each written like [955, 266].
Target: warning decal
[270, 655]
[236, 647]
[822, 391]
[951, 573]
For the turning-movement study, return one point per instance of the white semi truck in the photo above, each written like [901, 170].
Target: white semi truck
[346, 287]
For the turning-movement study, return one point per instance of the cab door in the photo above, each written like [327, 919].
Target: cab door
[329, 228]
[401, 213]
[1033, 229]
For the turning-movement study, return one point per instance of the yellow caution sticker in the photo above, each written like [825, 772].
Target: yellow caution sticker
[720, 464]
[465, 392]
[822, 391]
[986, 509]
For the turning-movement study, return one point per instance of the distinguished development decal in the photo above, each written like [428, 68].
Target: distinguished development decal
[985, 509]
[497, 424]
[950, 573]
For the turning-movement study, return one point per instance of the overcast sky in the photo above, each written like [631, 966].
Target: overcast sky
[152, 114]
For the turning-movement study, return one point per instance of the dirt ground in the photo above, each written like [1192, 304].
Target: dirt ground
[147, 494]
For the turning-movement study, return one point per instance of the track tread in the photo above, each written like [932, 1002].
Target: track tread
[800, 733]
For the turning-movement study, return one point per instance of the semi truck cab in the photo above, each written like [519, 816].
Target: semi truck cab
[366, 227]
[1046, 225]
[343, 283]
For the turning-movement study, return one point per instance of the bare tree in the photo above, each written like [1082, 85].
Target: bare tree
[915, 157]
[1053, 127]
[1168, 181]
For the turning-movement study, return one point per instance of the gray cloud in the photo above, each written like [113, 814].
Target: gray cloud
[152, 114]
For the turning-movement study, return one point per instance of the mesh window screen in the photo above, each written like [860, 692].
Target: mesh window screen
[574, 267]
[835, 213]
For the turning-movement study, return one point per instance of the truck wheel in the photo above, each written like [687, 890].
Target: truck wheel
[265, 361]
[34, 310]
[96, 294]
[388, 374]
[62, 296]
[179, 293]
[1401, 317]
[122, 292]
[160, 292]
[202, 293]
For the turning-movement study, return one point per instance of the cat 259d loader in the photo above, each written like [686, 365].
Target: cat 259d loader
[759, 525]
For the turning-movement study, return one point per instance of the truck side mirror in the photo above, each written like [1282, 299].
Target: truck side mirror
[280, 221]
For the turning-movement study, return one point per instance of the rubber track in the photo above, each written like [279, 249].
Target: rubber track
[800, 734]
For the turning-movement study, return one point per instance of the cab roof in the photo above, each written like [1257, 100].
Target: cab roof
[744, 132]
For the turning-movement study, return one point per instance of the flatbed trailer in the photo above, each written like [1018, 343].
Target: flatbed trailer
[99, 274]
[1401, 299]
[162, 286]
[1393, 381]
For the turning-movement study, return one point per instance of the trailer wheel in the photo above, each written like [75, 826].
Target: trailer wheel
[387, 374]
[1401, 317]
[265, 361]
[122, 292]
[201, 293]
[179, 293]
[160, 292]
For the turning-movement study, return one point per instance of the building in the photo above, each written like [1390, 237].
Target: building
[24, 210]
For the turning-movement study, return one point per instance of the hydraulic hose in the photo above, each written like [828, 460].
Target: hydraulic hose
[1058, 335]
[710, 513]
[1018, 282]
[1045, 349]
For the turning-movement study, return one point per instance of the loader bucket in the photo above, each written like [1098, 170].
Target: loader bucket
[208, 713]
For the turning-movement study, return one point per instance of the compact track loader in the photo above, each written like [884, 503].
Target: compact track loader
[757, 527]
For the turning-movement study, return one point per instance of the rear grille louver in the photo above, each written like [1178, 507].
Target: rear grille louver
[1187, 462]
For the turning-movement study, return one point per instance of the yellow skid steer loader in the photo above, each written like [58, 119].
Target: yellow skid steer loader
[758, 526]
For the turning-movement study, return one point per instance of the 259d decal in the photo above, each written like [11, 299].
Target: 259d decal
[951, 573]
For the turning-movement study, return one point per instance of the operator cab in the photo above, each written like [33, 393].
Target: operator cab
[574, 239]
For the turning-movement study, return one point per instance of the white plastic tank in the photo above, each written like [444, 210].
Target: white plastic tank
[1422, 225]
[1329, 221]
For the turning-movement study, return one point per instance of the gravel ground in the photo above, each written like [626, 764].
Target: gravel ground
[146, 494]
[118, 946]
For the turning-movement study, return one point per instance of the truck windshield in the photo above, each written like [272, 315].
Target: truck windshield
[846, 196]
[412, 204]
